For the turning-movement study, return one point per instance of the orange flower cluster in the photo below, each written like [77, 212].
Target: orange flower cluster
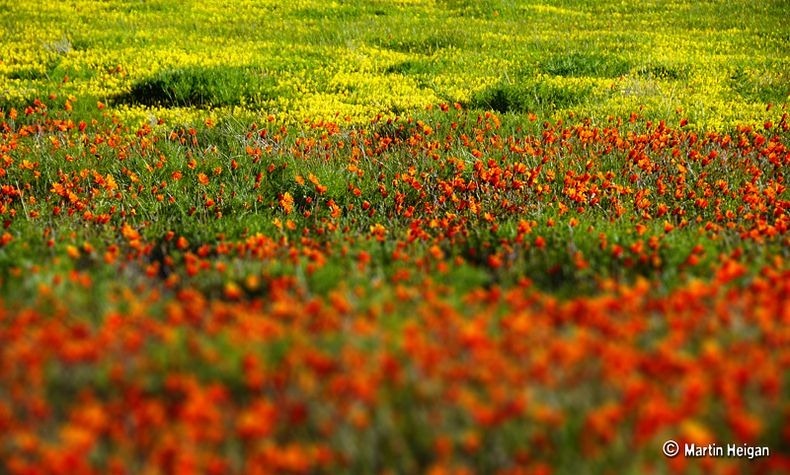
[265, 385]
[447, 295]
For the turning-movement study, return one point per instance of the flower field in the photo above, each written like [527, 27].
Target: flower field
[393, 237]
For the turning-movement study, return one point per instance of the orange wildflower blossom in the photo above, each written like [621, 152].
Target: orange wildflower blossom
[287, 202]
[451, 293]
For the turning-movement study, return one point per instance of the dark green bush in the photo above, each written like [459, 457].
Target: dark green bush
[532, 96]
[202, 87]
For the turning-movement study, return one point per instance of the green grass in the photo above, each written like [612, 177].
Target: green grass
[201, 88]
[207, 119]
[243, 208]
[760, 86]
[530, 96]
[578, 64]
[720, 61]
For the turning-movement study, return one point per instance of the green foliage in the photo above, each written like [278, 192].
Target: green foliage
[576, 64]
[761, 86]
[663, 71]
[427, 43]
[413, 67]
[308, 60]
[202, 87]
[479, 10]
[530, 96]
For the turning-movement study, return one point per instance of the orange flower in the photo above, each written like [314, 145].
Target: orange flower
[378, 231]
[129, 233]
[287, 202]
[257, 421]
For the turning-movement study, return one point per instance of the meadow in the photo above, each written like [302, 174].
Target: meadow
[393, 236]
